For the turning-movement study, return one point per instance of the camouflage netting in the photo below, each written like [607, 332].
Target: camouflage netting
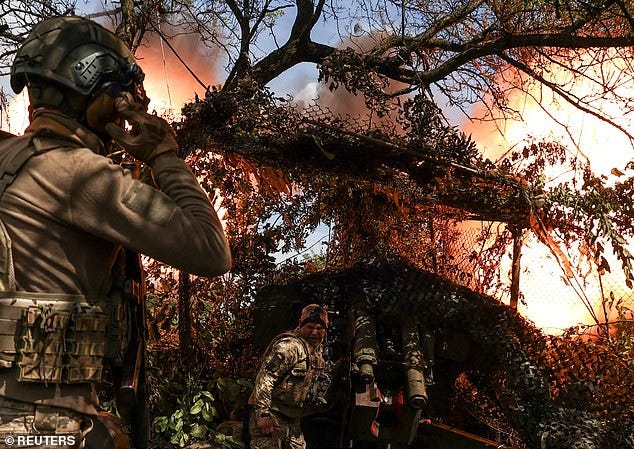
[546, 392]
[414, 153]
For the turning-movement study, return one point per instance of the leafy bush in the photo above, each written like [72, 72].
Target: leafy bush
[188, 402]
[191, 421]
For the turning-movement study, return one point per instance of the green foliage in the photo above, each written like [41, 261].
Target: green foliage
[192, 420]
[189, 400]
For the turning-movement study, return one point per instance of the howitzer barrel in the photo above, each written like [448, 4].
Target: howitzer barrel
[414, 363]
[364, 349]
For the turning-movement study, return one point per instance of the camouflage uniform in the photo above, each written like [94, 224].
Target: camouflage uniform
[67, 216]
[291, 383]
[64, 428]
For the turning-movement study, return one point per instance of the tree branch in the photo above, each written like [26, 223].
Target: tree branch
[242, 63]
[289, 55]
[495, 47]
[566, 96]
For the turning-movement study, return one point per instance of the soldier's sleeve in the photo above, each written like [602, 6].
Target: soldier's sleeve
[279, 360]
[176, 225]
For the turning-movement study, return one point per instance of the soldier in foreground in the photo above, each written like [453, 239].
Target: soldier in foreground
[71, 225]
[291, 382]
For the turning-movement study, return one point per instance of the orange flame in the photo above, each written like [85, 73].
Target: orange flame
[551, 302]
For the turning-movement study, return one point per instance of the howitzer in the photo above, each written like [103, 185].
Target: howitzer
[393, 376]
[387, 407]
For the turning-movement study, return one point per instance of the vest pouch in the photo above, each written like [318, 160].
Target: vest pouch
[10, 316]
[40, 344]
[318, 393]
[86, 345]
[61, 343]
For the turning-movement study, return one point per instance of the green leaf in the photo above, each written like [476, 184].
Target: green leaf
[244, 383]
[199, 431]
[207, 394]
[231, 443]
[223, 384]
[160, 424]
[197, 407]
[229, 389]
[209, 412]
[178, 438]
[183, 440]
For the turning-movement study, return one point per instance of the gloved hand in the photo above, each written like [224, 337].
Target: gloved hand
[150, 137]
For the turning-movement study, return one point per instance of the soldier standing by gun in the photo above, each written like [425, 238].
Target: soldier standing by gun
[71, 225]
[292, 382]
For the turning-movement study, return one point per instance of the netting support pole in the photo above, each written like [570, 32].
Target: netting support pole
[516, 232]
[432, 239]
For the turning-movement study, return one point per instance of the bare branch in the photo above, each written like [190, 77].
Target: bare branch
[566, 96]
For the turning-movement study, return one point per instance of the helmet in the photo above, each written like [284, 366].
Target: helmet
[78, 54]
[314, 313]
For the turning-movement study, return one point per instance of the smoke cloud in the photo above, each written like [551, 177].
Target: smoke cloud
[168, 81]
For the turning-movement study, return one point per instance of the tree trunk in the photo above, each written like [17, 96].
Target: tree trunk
[184, 315]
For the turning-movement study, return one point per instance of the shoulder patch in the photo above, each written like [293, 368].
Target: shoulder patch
[153, 205]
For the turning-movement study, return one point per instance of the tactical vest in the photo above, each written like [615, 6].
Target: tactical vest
[303, 386]
[51, 337]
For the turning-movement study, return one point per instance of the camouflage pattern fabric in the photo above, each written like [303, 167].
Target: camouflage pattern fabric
[291, 383]
[287, 381]
[29, 425]
[287, 434]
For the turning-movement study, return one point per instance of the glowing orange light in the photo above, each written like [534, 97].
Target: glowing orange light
[551, 303]
[168, 81]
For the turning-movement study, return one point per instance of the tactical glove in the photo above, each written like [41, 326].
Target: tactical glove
[150, 136]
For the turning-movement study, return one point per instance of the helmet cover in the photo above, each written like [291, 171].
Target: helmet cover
[76, 53]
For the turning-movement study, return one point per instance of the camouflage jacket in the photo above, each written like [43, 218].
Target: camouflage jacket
[293, 378]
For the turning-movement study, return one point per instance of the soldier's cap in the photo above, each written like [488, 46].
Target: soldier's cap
[314, 313]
